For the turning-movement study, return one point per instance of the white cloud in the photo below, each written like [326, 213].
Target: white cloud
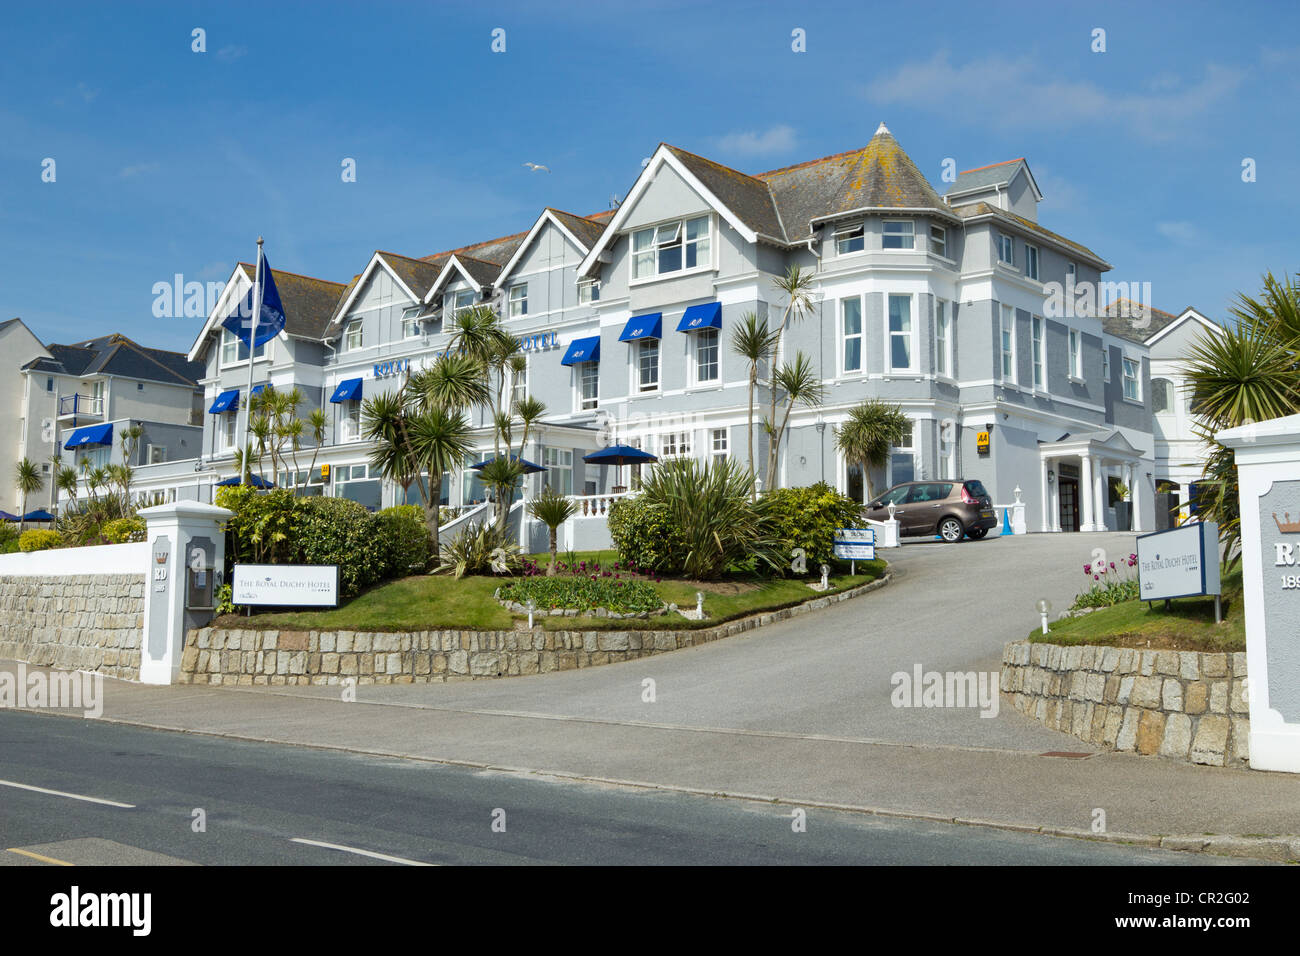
[231, 52]
[139, 169]
[1180, 231]
[976, 91]
[776, 139]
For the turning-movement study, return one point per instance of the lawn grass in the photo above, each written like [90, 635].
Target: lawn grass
[436, 601]
[1187, 626]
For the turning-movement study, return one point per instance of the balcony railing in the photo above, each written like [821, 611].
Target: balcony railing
[596, 506]
[83, 405]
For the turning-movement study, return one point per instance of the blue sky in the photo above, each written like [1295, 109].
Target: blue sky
[170, 161]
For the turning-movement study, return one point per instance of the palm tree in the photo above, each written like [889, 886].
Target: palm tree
[502, 475]
[552, 509]
[799, 383]
[318, 424]
[66, 481]
[1250, 373]
[27, 476]
[866, 437]
[796, 285]
[439, 441]
[752, 341]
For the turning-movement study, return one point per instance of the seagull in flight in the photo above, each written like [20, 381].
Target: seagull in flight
[535, 167]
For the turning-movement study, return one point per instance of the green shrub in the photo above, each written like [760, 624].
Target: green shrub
[807, 518]
[340, 531]
[405, 540]
[263, 529]
[39, 539]
[83, 522]
[584, 593]
[124, 530]
[8, 537]
[476, 550]
[645, 534]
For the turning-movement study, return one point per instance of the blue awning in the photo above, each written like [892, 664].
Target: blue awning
[643, 327]
[707, 316]
[258, 388]
[349, 390]
[225, 402]
[582, 350]
[90, 435]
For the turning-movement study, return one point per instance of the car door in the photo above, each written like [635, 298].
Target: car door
[917, 513]
[879, 508]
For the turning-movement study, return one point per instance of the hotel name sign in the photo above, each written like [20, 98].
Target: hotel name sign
[540, 342]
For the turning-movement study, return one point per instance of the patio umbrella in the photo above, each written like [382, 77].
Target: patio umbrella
[40, 514]
[257, 481]
[619, 455]
[529, 467]
[6, 516]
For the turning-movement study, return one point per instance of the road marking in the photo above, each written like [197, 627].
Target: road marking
[43, 859]
[369, 853]
[70, 796]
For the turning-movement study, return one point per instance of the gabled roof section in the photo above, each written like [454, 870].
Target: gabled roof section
[990, 177]
[415, 276]
[746, 196]
[879, 176]
[120, 356]
[308, 302]
[478, 273]
[1117, 320]
[981, 209]
[583, 233]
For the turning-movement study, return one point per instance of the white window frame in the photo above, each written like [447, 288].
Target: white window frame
[910, 333]
[558, 461]
[675, 445]
[845, 236]
[349, 421]
[1038, 342]
[588, 291]
[230, 341]
[1006, 249]
[155, 454]
[411, 322]
[450, 299]
[697, 361]
[941, 241]
[518, 385]
[354, 335]
[1074, 345]
[1071, 269]
[942, 338]
[586, 371]
[1031, 261]
[229, 430]
[638, 365]
[1105, 362]
[909, 234]
[860, 337]
[649, 243]
[908, 449]
[1007, 344]
[720, 445]
[518, 300]
[1135, 378]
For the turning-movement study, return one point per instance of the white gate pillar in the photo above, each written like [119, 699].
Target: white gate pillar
[187, 553]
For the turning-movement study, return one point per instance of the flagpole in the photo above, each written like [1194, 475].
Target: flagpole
[252, 350]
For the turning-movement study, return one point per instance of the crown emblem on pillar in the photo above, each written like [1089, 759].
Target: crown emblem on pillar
[1288, 526]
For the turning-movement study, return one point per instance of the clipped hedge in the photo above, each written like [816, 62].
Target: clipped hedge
[807, 518]
[39, 539]
[277, 527]
[646, 534]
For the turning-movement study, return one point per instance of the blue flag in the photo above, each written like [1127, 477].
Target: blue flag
[271, 320]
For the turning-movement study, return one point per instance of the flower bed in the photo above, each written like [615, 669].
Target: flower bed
[585, 594]
[1113, 583]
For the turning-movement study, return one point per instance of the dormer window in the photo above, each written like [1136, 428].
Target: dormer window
[850, 239]
[899, 234]
[455, 302]
[519, 300]
[670, 247]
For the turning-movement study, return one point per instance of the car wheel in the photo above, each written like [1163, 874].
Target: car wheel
[977, 533]
[950, 530]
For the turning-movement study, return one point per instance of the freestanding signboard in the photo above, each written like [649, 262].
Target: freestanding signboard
[308, 585]
[853, 545]
[1268, 477]
[1180, 562]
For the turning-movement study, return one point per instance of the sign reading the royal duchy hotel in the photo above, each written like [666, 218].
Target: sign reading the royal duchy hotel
[286, 585]
[1180, 562]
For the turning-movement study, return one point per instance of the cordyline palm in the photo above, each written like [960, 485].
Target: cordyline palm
[502, 474]
[385, 420]
[440, 440]
[318, 424]
[455, 381]
[66, 481]
[754, 342]
[799, 384]
[866, 437]
[796, 285]
[27, 476]
[1247, 374]
[552, 509]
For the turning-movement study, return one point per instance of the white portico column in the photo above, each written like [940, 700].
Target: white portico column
[1099, 490]
[1045, 466]
[1134, 484]
[1085, 492]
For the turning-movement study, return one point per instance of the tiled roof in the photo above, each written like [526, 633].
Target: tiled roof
[997, 174]
[984, 209]
[746, 196]
[1117, 319]
[308, 303]
[481, 270]
[880, 175]
[586, 230]
[118, 355]
[418, 274]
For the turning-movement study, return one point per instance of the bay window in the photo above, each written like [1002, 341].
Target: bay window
[899, 234]
[1008, 339]
[851, 317]
[850, 239]
[670, 247]
[900, 333]
[588, 385]
[942, 355]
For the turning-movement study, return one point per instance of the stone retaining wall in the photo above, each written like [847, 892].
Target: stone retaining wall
[1182, 704]
[247, 656]
[88, 622]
